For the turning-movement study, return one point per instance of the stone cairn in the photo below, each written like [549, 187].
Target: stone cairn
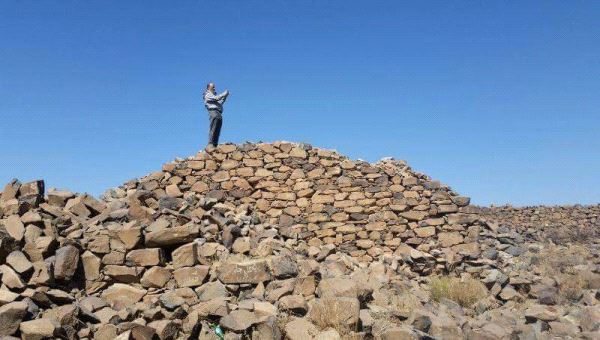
[267, 241]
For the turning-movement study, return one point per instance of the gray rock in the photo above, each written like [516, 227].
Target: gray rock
[283, 267]
[170, 300]
[11, 316]
[490, 254]
[171, 203]
[515, 250]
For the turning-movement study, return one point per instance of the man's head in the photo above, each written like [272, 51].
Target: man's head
[210, 87]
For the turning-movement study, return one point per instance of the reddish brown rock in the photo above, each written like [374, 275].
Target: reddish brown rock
[253, 271]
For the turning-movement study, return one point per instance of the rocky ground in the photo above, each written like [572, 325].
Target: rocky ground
[286, 241]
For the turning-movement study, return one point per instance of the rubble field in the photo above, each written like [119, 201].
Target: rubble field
[287, 241]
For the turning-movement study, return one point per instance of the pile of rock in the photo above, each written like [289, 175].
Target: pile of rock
[268, 241]
[315, 197]
[38, 264]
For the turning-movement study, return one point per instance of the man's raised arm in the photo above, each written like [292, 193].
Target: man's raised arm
[223, 96]
[212, 97]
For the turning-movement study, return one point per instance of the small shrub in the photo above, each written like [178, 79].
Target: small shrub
[571, 288]
[322, 318]
[572, 234]
[465, 292]
[560, 264]
[557, 260]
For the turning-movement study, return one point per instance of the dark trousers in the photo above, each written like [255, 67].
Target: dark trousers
[216, 120]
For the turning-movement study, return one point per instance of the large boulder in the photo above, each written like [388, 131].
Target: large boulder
[145, 257]
[337, 287]
[172, 236]
[300, 329]
[91, 266]
[10, 278]
[65, 265]
[15, 227]
[252, 271]
[238, 320]
[121, 295]
[19, 262]
[155, 277]
[32, 193]
[283, 267]
[190, 276]
[39, 329]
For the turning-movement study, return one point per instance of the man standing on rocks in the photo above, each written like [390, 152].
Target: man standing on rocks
[214, 105]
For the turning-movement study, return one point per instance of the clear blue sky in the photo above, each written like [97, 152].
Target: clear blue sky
[498, 99]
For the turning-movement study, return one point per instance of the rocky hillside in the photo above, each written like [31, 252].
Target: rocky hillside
[282, 241]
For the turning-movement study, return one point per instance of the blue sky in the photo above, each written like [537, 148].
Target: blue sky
[498, 99]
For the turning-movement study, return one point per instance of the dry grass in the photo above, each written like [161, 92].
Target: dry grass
[559, 263]
[329, 317]
[464, 291]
